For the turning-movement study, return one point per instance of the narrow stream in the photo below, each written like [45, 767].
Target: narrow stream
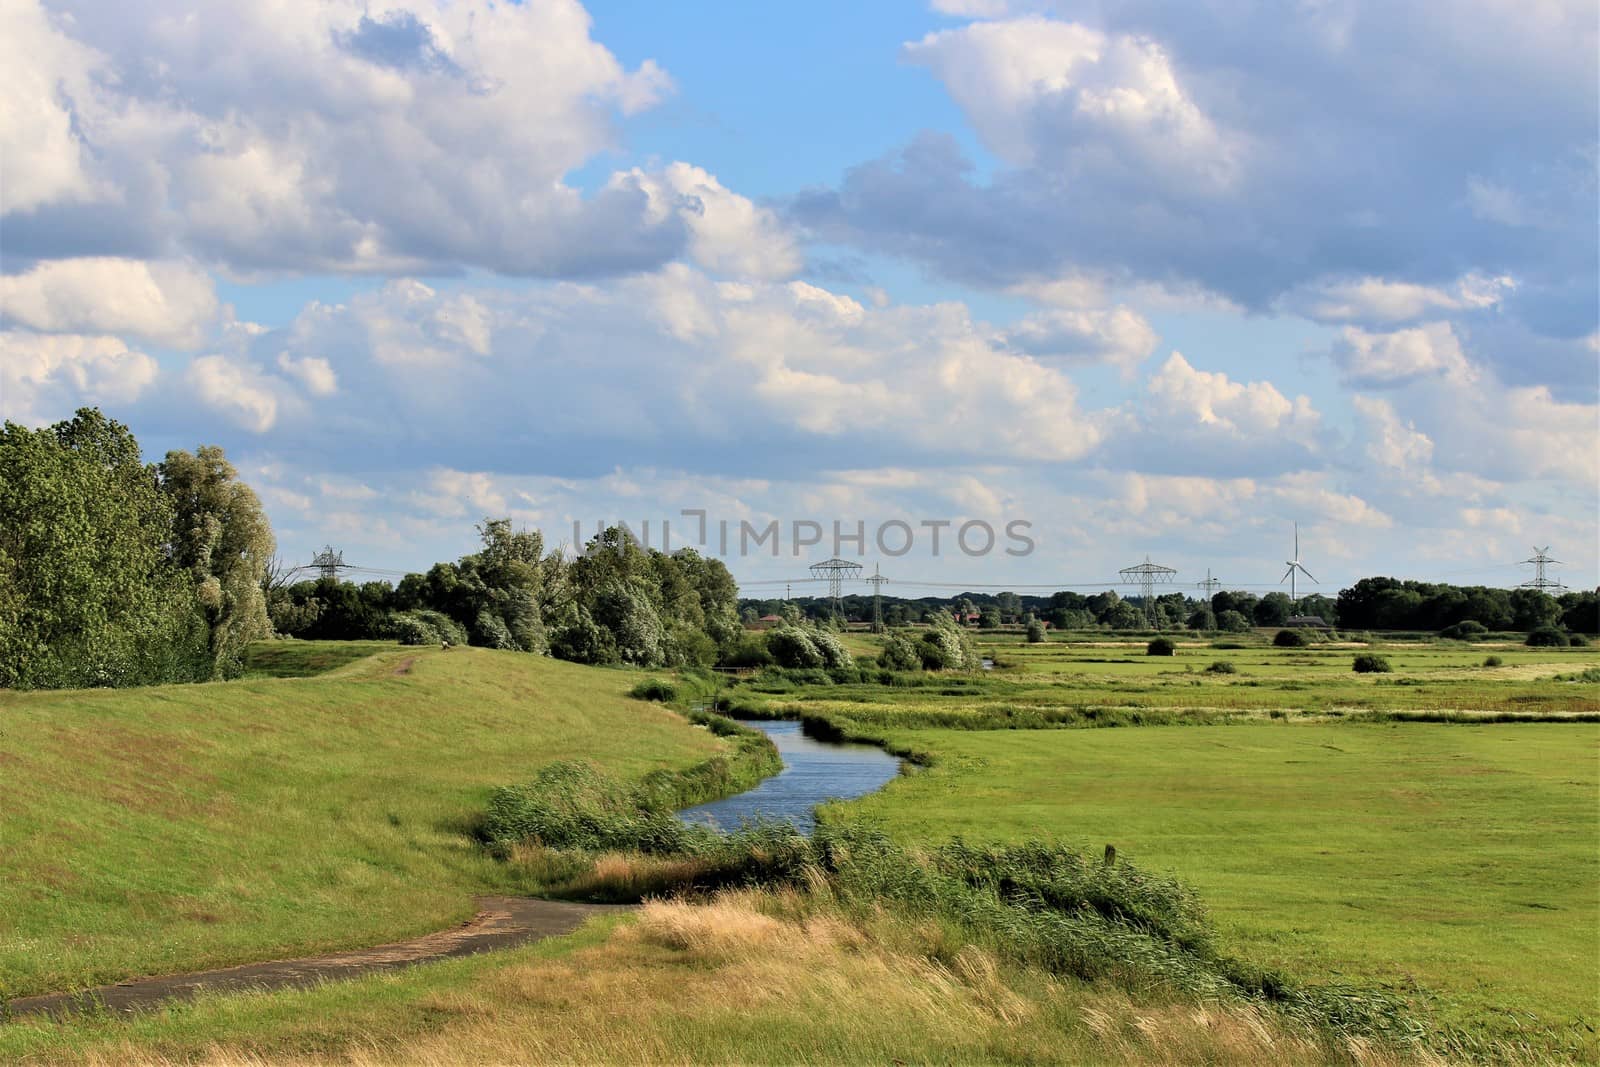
[813, 771]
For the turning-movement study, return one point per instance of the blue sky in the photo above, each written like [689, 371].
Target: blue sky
[1155, 279]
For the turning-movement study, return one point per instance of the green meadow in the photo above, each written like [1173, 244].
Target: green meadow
[178, 827]
[1333, 831]
[1455, 863]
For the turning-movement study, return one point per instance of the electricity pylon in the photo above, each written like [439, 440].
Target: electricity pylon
[1145, 575]
[1541, 559]
[836, 571]
[876, 581]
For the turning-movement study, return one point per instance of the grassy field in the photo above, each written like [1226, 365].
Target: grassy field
[155, 830]
[1055, 677]
[1456, 862]
[1460, 863]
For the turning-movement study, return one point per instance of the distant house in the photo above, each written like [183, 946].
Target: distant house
[1314, 621]
[767, 622]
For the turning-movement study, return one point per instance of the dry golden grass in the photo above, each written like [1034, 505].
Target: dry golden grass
[761, 977]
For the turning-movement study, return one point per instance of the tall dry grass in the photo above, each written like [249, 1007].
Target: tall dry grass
[753, 976]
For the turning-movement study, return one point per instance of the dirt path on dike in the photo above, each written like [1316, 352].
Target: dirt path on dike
[501, 922]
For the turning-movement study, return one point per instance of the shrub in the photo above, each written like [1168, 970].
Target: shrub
[1465, 630]
[792, 646]
[1493, 661]
[1547, 637]
[1289, 639]
[833, 653]
[1222, 666]
[900, 653]
[425, 628]
[1577, 641]
[1161, 646]
[748, 652]
[1370, 663]
[1035, 632]
[946, 646]
[654, 689]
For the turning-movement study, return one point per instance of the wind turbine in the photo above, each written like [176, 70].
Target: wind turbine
[1294, 565]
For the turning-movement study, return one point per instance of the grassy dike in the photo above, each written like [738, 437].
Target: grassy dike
[180, 827]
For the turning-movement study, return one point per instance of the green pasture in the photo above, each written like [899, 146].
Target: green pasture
[178, 827]
[1119, 675]
[1458, 861]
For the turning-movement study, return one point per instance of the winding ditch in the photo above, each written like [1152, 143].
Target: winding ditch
[813, 772]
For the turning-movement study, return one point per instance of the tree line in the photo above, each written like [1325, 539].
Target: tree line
[617, 602]
[1370, 604]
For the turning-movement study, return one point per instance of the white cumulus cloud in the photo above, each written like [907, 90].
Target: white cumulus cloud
[166, 303]
[44, 375]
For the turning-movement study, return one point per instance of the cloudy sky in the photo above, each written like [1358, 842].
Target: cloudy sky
[1157, 278]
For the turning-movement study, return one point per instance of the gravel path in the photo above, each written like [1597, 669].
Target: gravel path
[501, 922]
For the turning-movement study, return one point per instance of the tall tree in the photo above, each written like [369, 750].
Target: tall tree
[87, 594]
[221, 539]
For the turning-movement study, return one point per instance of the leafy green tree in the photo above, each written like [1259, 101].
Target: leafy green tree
[1035, 632]
[626, 611]
[221, 539]
[1232, 622]
[1273, 609]
[1124, 616]
[1532, 609]
[1071, 619]
[1233, 600]
[582, 640]
[87, 594]
[1202, 619]
[1324, 608]
[1580, 611]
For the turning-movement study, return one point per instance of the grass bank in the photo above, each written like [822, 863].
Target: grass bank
[179, 827]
